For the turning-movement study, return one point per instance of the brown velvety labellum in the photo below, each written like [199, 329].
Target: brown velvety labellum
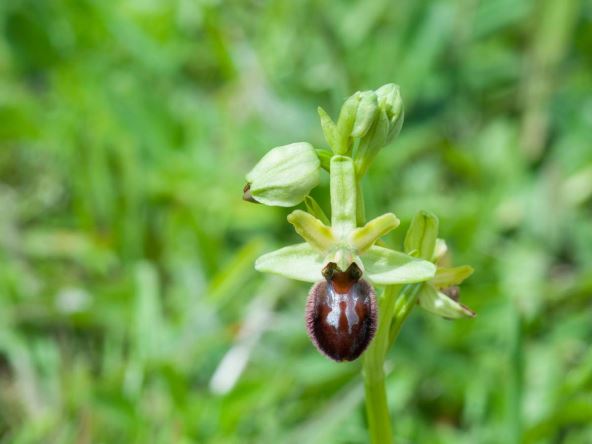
[341, 314]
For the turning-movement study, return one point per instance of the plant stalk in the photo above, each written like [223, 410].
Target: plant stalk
[379, 421]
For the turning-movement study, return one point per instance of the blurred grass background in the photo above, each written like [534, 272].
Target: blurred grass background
[129, 308]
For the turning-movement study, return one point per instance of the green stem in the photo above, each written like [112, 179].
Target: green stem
[405, 303]
[394, 308]
[379, 421]
[395, 304]
[360, 206]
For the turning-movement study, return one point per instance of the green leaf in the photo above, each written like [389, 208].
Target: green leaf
[386, 267]
[439, 304]
[422, 235]
[300, 262]
[445, 277]
[329, 128]
[325, 159]
[363, 238]
[312, 230]
[343, 195]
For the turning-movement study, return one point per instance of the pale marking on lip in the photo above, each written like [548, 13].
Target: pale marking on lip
[334, 301]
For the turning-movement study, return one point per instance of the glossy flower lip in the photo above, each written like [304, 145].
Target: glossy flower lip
[341, 315]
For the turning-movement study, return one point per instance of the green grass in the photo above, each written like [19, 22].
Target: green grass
[126, 253]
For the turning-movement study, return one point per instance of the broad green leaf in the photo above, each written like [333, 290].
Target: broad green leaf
[300, 262]
[385, 267]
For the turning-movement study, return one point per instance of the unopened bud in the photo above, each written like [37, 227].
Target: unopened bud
[284, 176]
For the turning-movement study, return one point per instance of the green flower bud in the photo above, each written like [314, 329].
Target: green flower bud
[383, 127]
[345, 124]
[284, 176]
[420, 240]
[390, 101]
[365, 114]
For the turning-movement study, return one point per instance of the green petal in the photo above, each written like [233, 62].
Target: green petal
[300, 262]
[439, 304]
[386, 267]
[312, 230]
[363, 238]
[445, 277]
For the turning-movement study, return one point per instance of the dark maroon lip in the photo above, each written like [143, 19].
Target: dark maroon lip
[341, 314]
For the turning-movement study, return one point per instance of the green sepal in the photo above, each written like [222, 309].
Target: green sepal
[343, 196]
[363, 238]
[446, 277]
[439, 304]
[312, 230]
[300, 262]
[388, 267]
[422, 234]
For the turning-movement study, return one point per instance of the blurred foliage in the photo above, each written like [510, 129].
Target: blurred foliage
[129, 308]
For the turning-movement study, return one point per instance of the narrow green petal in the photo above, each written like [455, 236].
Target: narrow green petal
[385, 267]
[343, 195]
[363, 238]
[439, 304]
[445, 277]
[312, 230]
[300, 262]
